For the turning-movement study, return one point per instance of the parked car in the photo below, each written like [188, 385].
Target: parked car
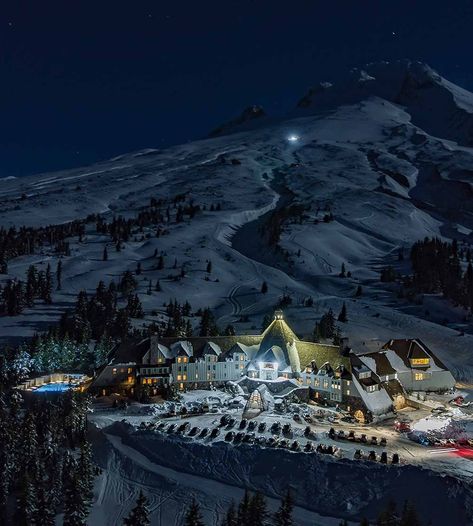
[308, 418]
[238, 437]
[230, 436]
[276, 428]
[249, 438]
[384, 458]
[297, 418]
[358, 455]
[215, 432]
[402, 426]
[193, 432]
[308, 448]
[395, 459]
[252, 425]
[284, 444]
[372, 456]
[363, 439]
[224, 420]
[243, 423]
[204, 432]
[171, 428]
[295, 446]
[262, 427]
[231, 423]
[351, 436]
[332, 434]
[383, 442]
[374, 441]
[287, 429]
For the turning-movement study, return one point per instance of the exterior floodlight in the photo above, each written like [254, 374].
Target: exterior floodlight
[293, 138]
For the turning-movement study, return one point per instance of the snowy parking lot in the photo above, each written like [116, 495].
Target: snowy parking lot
[304, 428]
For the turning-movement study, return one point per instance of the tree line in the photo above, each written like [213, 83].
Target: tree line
[252, 510]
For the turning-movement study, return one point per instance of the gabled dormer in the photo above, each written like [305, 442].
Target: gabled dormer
[418, 356]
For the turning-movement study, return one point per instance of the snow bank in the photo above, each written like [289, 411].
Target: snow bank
[319, 483]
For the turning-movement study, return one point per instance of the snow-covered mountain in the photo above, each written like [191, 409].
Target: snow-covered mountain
[385, 152]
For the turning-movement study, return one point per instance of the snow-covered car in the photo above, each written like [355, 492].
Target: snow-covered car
[194, 431]
[171, 428]
[224, 420]
[276, 428]
[308, 418]
[243, 423]
[283, 444]
[204, 432]
[230, 436]
[215, 432]
[249, 438]
[231, 423]
[238, 437]
[297, 418]
[308, 448]
[287, 430]
[262, 427]
[295, 446]
[252, 425]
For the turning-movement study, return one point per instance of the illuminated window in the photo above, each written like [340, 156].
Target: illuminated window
[242, 357]
[184, 359]
[419, 376]
[114, 370]
[348, 391]
[179, 359]
[130, 370]
[420, 361]
[184, 377]
[179, 377]
[130, 379]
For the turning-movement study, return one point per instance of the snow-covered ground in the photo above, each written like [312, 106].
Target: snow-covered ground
[388, 153]
[171, 466]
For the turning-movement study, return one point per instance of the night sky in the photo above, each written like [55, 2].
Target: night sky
[83, 81]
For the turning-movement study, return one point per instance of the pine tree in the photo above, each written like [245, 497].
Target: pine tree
[243, 514]
[264, 288]
[343, 272]
[105, 254]
[359, 291]
[409, 515]
[283, 516]
[193, 515]
[342, 317]
[139, 515]
[48, 286]
[257, 510]
[231, 516]
[59, 275]
[209, 267]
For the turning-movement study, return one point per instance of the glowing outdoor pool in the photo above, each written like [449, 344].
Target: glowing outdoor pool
[54, 388]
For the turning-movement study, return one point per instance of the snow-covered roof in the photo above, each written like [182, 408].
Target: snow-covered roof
[378, 402]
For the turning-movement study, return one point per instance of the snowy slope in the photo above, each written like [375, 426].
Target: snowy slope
[378, 151]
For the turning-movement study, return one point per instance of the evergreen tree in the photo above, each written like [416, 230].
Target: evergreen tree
[229, 330]
[283, 516]
[359, 291]
[48, 286]
[243, 514]
[409, 515]
[139, 515]
[342, 317]
[209, 267]
[105, 254]
[193, 515]
[264, 288]
[231, 518]
[343, 272]
[257, 510]
[388, 517]
[59, 275]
